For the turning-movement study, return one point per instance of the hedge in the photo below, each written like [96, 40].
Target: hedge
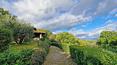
[84, 55]
[110, 48]
[20, 58]
[40, 53]
[5, 38]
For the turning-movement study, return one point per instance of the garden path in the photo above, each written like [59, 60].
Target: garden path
[57, 57]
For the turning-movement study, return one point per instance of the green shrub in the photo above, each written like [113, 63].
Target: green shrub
[92, 56]
[40, 53]
[108, 38]
[65, 47]
[38, 56]
[110, 48]
[56, 43]
[66, 39]
[44, 44]
[5, 38]
[20, 58]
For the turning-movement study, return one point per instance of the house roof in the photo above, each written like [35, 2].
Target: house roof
[39, 31]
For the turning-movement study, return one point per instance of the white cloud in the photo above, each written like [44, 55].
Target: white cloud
[27, 9]
[62, 22]
[94, 34]
[94, 7]
[105, 7]
[115, 15]
[48, 13]
[63, 14]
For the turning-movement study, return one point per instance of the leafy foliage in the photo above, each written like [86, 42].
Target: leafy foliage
[5, 38]
[4, 16]
[108, 38]
[87, 42]
[12, 30]
[21, 32]
[110, 48]
[40, 53]
[92, 56]
[54, 42]
[66, 39]
[5, 33]
[21, 58]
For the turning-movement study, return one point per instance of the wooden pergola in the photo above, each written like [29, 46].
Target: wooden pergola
[39, 33]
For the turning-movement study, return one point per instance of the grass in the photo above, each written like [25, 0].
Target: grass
[87, 43]
[15, 48]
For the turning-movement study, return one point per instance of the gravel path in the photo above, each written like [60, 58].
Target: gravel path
[57, 57]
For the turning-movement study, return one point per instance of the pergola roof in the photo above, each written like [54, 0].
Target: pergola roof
[39, 31]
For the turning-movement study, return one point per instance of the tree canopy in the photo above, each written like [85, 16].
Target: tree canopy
[66, 38]
[20, 31]
[108, 38]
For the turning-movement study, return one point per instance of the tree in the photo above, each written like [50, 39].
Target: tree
[108, 38]
[5, 16]
[5, 38]
[21, 32]
[5, 33]
[66, 38]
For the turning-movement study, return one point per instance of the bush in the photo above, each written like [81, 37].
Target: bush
[108, 38]
[92, 56]
[38, 56]
[21, 58]
[5, 38]
[40, 53]
[110, 48]
[56, 43]
[66, 39]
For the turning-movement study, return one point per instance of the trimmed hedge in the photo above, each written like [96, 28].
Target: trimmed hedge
[65, 47]
[5, 38]
[110, 48]
[56, 43]
[20, 58]
[92, 56]
[40, 53]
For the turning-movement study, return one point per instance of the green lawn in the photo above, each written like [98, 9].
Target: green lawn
[17, 48]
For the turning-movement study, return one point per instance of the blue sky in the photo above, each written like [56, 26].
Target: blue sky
[85, 19]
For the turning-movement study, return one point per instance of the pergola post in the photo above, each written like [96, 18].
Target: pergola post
[41, 36]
